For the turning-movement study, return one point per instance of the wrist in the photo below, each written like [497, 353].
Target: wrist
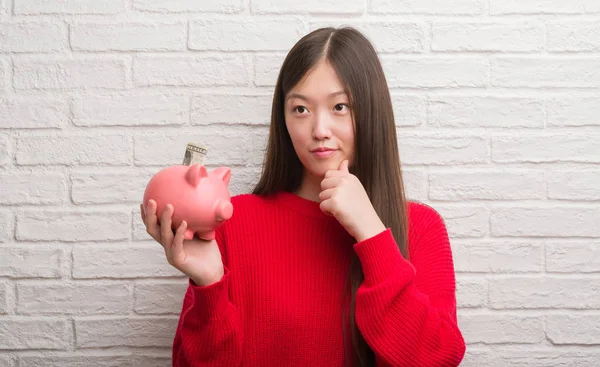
[372, 229]
[204, 281]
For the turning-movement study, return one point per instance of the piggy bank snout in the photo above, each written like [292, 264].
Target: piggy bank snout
[224, 210]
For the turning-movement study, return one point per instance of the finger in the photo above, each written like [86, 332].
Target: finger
[344, 166]
[177, 248]
[151, 219]
[142, 214]
[325, 207]
[334, 173]
[326, 194]
[330, 183]
[165, 226]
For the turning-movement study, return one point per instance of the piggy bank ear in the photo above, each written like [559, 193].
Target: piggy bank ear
[223, 174]
[195, 173]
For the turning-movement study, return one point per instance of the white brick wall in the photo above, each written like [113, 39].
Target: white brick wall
[497, 105]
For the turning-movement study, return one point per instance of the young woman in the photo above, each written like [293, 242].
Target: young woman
[325, 263]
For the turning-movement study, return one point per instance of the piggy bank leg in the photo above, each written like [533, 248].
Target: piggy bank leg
[188, 234]
[209, 236]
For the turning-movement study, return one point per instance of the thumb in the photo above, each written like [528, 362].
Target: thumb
[344, 166]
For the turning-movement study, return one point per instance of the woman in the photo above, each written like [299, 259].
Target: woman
[325, 263]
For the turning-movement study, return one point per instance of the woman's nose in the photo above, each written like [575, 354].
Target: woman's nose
[322, 126]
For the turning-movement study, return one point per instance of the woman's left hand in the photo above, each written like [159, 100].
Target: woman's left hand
[344, 197]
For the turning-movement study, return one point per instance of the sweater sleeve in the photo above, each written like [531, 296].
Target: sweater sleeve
[405, 310]
[209, 331]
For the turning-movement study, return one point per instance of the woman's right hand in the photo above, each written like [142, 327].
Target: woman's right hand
[198, 259]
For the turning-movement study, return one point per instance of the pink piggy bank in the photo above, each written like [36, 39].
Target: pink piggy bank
[199, 197]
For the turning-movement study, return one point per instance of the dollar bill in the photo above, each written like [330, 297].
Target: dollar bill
[194, 154]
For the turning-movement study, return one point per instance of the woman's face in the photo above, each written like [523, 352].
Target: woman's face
[319, 121]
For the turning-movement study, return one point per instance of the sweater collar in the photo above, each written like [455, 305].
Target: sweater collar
[301, 205]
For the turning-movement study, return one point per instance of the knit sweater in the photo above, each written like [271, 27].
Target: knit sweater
[280, 300]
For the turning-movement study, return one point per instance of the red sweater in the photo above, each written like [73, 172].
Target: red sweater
[280, 300]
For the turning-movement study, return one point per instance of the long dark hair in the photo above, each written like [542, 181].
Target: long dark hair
[376, 163]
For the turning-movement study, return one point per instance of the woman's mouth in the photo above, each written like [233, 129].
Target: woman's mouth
[324, 152]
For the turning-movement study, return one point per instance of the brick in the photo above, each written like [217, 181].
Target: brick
[572, 258]
[306, 7]
[471, 292]
[124, 331]
[130, 36]
[31, 333]
[466, 7]
[159, 298]
[531, 357]
[179, 6]
[97, 360]
[150, 360]
[442, 149]
[73, 298]
[73, 225]
[33, 7]
[498, 257]
[498, 7]
[75, 360]
[573, 329]
[131, 110]
[235, 145]
[59, 73]
[486, 185]
[32, 188]
[139, 229]
[409, 110]
[415, 184]
[476, 111]
[196, 71]
[386, 36]
[487, 36]
[41, 37]
[243, 180]
[231, 109]
[435, 72]
[574, 36]
[3, 72]
[573, 111]
[121, 262]
[34, 112]
[5, 361]
[541, 71]
[501, 328]
[4, 294]
[266, 69]
[541, 148]
[247, 34]
[574, 185]
[6, 155]
[465, 221]
[554, 221]
[546, 292]
[116, 187]
[30, 262]
[105, 149]
[6, 226]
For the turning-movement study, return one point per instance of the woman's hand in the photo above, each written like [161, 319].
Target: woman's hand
[198, 259]
[344, 197]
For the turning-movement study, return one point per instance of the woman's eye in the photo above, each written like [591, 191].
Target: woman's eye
[298, 108]
[340, 104]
